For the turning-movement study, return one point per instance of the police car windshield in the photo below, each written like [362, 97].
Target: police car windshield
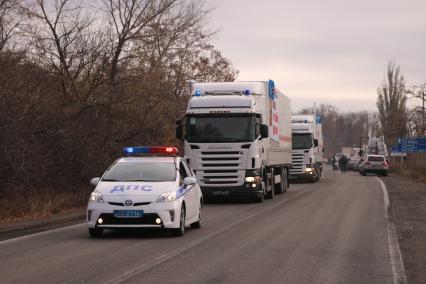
[141, 171]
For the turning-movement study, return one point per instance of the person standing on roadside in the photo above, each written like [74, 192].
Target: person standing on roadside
[343, 162]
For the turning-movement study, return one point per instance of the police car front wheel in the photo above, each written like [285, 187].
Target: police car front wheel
[181, 230]
[197, 224]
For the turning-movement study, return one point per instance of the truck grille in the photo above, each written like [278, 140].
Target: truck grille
[220, 168]
[297, 164]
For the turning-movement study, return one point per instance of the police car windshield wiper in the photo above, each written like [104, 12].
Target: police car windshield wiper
[110, 180]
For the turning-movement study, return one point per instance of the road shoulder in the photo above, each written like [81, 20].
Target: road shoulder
[408, 213]
[27, 227]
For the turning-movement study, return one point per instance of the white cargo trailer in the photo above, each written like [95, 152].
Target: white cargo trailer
[237, 138]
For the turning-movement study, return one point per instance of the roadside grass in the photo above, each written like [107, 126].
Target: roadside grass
[418, 174]
[16, 206]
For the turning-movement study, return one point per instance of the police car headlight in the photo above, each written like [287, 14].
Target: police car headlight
[96, 196]
[166, 197]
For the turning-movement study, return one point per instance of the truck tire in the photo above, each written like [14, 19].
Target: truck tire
[285, 178]
[270, 194]
[261, 198]
[279, 187]
[313, 178]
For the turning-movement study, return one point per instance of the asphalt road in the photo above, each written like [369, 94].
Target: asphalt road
[334, 231]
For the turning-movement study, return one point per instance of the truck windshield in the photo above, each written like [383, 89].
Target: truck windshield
[220, 129]
[302, 140]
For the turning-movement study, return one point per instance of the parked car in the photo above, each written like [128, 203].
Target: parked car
[374, 164]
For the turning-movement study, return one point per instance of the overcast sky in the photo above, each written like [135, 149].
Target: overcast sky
[324, 51]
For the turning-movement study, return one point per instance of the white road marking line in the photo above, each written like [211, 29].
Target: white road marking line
[39, 234]
[146, 266]
[398, 271]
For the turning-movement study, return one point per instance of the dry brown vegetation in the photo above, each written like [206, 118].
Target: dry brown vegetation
[78, 83]
[413, 166]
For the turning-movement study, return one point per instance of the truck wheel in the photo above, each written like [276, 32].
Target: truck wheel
[260, 198]
[270, 194]
[279, 187]
[270, 182]
[318, 175]
[285, 178]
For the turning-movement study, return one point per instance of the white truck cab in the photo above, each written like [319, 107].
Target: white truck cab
[307, 147]
[237, 138]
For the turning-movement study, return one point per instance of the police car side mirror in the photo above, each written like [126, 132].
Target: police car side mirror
[189, 181]
[95, 181]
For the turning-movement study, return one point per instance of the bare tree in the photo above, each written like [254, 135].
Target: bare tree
[63, 40]
[10, 20]
[128, 19]
[417, 114]
[391, 103]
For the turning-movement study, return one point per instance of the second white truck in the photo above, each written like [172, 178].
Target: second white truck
[237, 138]
[308, 147]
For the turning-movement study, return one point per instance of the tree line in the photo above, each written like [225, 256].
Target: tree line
[82, 79]
[400, 113]
[344, 129]
[401, 108]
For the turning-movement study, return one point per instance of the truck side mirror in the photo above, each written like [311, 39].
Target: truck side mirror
[179, 130]
[264, 131]
[316, 142]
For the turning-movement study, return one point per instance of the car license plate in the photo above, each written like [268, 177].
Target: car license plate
[221, 192]
[128, 213]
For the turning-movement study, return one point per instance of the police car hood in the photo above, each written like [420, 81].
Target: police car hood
[134, 188]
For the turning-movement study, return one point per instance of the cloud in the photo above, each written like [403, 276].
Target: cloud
[334, 50]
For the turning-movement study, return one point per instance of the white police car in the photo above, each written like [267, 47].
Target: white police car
[147, 190]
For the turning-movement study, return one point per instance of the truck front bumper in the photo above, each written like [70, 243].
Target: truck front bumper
[302, 176]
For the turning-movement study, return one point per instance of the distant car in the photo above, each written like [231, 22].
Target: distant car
[374, 164]
[145, 191]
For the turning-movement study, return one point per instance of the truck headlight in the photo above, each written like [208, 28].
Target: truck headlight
[252, 176]
[96, 196]
[166, 197]
[308, 170]
[250, 179]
